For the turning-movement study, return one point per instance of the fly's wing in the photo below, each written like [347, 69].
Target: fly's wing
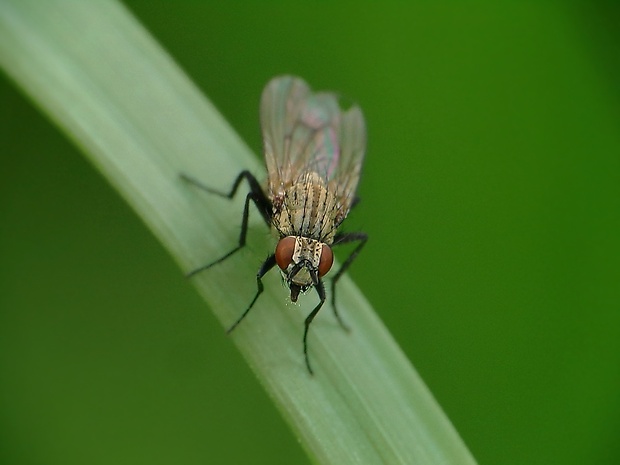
[352, 139]
[305, 133]
[300, 132]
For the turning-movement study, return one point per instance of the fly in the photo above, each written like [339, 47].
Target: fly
[313, 152]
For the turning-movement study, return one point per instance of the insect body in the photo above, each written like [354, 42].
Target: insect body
[313, 152]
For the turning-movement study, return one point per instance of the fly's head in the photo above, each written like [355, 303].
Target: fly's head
[303, 262]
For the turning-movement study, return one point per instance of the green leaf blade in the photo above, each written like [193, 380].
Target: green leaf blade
[97, 73]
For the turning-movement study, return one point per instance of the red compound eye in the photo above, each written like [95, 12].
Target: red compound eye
[327, 259]
[284, 252]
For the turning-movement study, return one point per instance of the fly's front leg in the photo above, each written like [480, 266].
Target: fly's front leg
[265, 267]
[320, 289]
[345, 238]
[256, 195]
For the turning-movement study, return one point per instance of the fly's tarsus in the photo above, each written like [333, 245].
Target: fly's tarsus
[346, 238]
[320, 289]
[262, 271]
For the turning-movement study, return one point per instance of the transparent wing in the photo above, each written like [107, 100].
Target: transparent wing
[352, 150]
[305, 132]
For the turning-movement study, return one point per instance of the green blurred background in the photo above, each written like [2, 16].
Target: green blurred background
[491, 194]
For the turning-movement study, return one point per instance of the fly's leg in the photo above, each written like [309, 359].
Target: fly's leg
[255, 195]
[244, 230]
[265, 267]
[320, 289]
[345, 238]
[260, 199]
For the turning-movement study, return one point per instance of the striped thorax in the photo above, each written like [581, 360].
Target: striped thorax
[305, 216]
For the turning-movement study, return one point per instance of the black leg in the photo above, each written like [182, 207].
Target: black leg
[256, 195]
[242, 236]
[320, 289]
[265, 267]
[345, 238]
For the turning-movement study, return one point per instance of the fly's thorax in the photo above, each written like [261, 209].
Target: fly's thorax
[308, 208]
[303, 260]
